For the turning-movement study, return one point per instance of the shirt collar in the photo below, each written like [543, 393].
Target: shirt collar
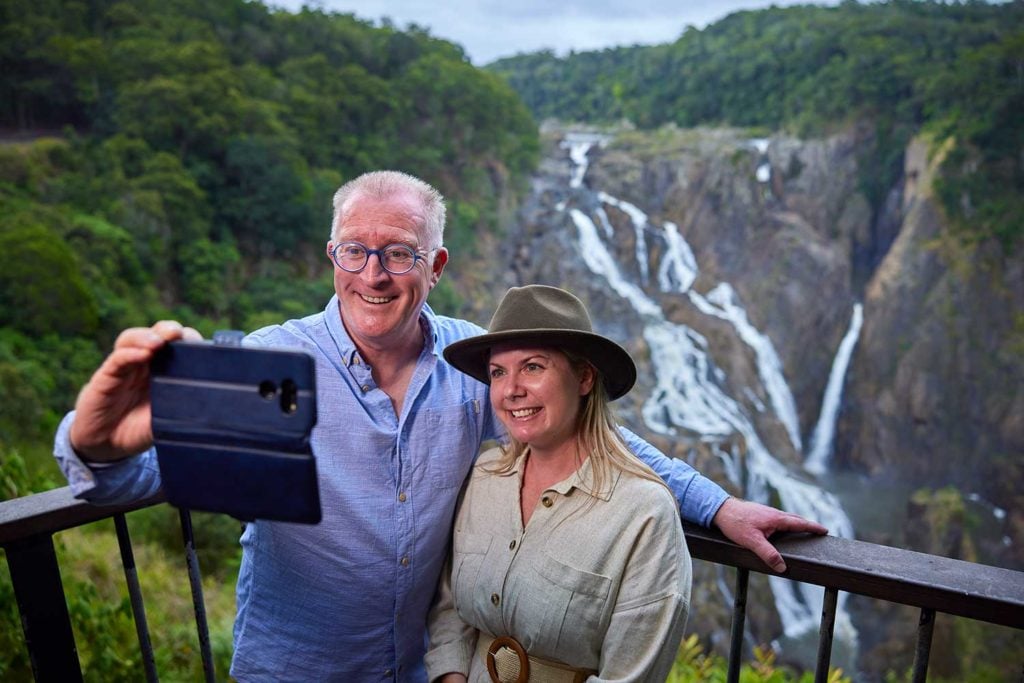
[582, 479]
[428, 323]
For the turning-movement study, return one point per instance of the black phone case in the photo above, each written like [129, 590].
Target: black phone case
[231, 426]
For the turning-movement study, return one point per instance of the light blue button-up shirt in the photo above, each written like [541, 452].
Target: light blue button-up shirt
[347, 599]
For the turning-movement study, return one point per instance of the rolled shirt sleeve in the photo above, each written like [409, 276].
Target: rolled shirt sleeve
[124, 481]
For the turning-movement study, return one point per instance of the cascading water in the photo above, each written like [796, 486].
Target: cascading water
[688, 394]
[824, 430]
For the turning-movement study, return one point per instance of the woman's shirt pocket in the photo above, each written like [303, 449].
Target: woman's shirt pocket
[573, 604]
[468, 552]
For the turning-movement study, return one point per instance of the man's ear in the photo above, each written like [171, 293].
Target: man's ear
[440, 261]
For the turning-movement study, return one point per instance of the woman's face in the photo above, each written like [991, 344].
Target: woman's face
[536, 395]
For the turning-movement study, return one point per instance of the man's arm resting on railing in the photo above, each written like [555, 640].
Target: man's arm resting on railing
[750, 525]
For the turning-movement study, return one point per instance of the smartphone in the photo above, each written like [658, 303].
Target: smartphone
[231, 426]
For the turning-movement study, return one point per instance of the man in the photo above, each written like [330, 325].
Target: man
[397, 432]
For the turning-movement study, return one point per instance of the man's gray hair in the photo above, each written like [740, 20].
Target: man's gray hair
[385, 184]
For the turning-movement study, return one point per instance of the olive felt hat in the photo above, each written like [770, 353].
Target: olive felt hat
[538, 315]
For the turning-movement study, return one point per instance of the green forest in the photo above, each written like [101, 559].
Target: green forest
[176, 159]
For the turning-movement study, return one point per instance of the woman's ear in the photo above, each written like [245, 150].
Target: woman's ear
[587, 379]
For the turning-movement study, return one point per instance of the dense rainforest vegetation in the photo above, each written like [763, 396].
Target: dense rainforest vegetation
[177, 159]
[953, 70]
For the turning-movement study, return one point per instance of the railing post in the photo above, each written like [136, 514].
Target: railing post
[131, 577]
[49, 639]
[922, 652]
[739, 614]
[828, 622]
[198, 605]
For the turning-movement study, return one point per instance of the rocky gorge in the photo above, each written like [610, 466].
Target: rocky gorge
[796, 341]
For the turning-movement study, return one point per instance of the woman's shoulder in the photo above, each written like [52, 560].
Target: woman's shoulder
[488, 464]
[645, 493]
[489, 457]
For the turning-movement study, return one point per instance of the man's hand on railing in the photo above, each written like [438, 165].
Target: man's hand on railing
[751, 524]
[112, 418]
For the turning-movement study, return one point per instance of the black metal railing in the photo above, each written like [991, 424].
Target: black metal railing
[931, 583]
[27, 526]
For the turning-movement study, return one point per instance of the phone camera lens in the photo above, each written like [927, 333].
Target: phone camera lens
[268, 389]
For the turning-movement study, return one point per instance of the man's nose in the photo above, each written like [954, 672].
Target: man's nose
[374, 268]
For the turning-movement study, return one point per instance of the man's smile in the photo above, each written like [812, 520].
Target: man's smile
[377, 299]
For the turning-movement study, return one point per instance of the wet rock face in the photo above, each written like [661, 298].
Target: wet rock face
[937, 394]
[782, 242]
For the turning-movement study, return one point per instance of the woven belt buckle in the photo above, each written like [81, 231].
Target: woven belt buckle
[508, 673]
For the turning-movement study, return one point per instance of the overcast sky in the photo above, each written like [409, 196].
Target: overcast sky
[490, 29]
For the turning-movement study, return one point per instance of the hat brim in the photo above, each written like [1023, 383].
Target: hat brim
[472, 355]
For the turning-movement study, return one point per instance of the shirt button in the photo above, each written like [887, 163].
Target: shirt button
[365, 388]
[401, 497]
[512, 545]
[389, 673]
[546, 500]
[495, 599]
[405, 561]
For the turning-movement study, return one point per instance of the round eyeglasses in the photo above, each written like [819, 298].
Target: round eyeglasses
[397, 259]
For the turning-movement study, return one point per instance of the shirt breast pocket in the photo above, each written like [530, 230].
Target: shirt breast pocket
[576, 605]
[468, 552]
[454, 442]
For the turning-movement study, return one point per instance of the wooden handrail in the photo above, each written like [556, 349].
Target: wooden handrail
[55, 510]
[966, 589]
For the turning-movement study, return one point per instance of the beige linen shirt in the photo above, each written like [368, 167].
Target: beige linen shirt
[597, 581]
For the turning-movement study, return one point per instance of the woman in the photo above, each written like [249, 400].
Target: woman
[568, 559]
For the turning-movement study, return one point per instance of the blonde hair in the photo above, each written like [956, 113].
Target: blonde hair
[596, 434]
[385, 184]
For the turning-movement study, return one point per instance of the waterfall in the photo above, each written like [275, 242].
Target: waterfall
[824, 430]
[639, 219]
[764, 168]
[769, 367]
[688, 391]
[678, 267]
[579, 145]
